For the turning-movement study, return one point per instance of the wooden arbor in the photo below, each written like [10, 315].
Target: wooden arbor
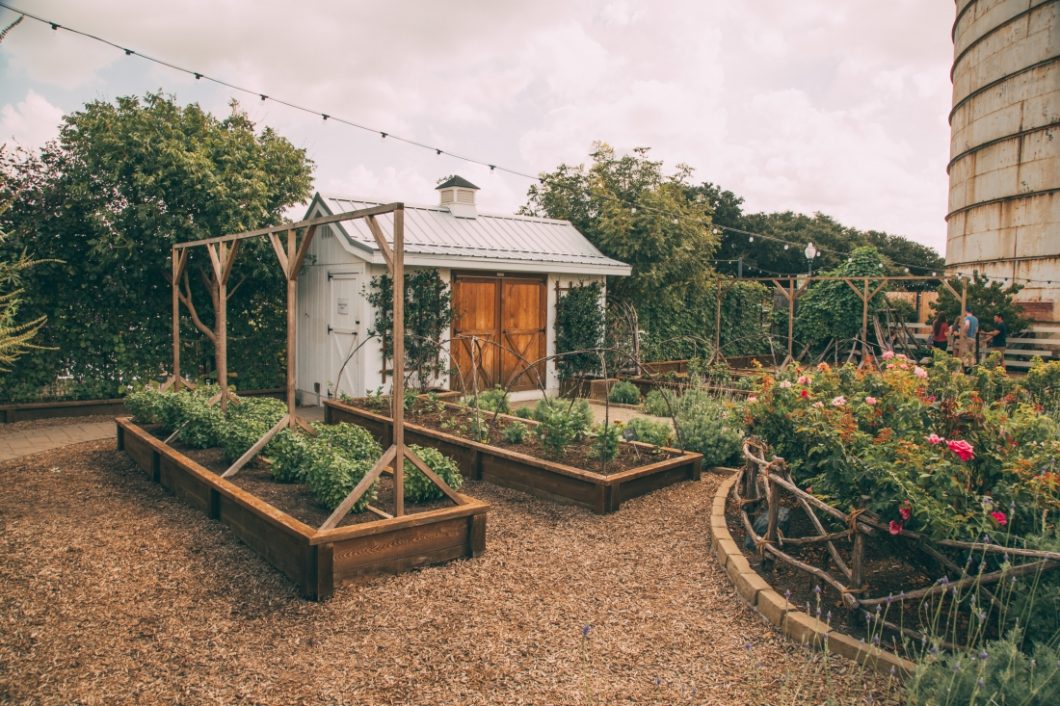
[291, 252]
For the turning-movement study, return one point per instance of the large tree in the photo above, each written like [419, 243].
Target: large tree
[634, 212]
[123, 182]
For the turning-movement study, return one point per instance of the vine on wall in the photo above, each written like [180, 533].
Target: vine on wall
[428, 312]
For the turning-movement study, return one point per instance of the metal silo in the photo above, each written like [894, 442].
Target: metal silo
[1004, 209]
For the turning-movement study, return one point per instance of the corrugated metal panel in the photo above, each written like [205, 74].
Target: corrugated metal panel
[434, 231]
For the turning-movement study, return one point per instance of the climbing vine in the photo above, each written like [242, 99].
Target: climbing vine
[579, 326]
[428, 312]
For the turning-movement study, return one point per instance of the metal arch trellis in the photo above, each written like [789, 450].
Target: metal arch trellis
[291, 255]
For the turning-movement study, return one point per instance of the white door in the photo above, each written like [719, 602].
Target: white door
[344, 335]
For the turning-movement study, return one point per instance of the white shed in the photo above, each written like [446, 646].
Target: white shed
[504, 272]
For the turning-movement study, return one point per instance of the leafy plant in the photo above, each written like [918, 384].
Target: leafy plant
[985, 299]
[579, 413]
[711, 427]
[514, 433]
[579, 329]
[605, 445]
[236, 436]
[494, 399]
[331, 476]
[524, 413]
[660, 402]
[419, 488]
[354, 442]
[199, 421]
[624, 392]
[648, 431]
[147, 405]
[289, 453]
[557, 429]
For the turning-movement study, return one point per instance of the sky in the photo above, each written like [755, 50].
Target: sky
[815, 105]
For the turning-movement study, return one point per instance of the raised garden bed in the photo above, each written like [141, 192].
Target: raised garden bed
[317, 561]
[601, 492]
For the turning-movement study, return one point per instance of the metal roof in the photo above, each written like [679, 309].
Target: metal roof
[457, 180]
[433, 236]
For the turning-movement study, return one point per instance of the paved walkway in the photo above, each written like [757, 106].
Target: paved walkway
[22, 442]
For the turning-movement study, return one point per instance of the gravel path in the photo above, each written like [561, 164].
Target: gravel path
[112, 591]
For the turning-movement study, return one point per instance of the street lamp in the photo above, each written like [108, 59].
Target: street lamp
[810, 252]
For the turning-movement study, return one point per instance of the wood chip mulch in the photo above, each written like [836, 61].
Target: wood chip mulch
[112, 591]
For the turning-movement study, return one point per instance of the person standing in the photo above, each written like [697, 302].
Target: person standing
[997, 340]
[940, 333]
[969, 333]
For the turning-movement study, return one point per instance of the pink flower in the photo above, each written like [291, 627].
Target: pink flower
[870, 400]
[887, 355]
[999, 517]
[752, 399]
[785, 384]
[894, 528]
[962, 448]
[905, 512]
[818, 405]
[901, 356]
[803, 380]
[839, 401]
[935, 439]
[920, 372]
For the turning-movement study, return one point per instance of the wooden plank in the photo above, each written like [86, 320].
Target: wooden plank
[319, 221]
[471, 507]
[303, 250]
[433, 477]
[257, 447]
[283, 549]
[280, 255]
[174, 477]
[477, 534]
[400, 549]
[380, 240]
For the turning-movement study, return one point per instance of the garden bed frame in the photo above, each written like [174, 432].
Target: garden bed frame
[317, 560]
[547, 479]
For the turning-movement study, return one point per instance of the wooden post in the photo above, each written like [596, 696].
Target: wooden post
[717, 324]
[219, 254]
[865, 323]
[791, 321]
[397, 387]
[292, 324]
[177, 260]
[857, 555]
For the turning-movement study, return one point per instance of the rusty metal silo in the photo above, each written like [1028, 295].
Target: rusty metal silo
[1004, 205]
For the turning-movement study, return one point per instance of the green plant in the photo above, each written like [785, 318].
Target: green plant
[996, 672]
[352, 441]
[419, 488]
[624, 392]
[428, 311]
[236, 436]
[660, 402]
[514, 433]
[199, 421]
[288, 451]
[331, 477]
[648, 431]
[579, 329]
[579, 412]
[557, 429]
[984, 299]
[494, 399]
[147, 405]
[525, 413]
[605, 445]
[711, 427]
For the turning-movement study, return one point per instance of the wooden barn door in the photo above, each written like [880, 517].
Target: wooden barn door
[500, 324]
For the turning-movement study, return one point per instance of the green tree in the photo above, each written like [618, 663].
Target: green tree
[634, 212]
[124, 182]
[831, 309]
[579, 327]
[985, 299]
[15, 337]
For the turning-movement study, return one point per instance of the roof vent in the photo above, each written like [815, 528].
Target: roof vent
[458, 196]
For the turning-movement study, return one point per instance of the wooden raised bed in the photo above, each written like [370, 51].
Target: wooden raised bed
[316, 561]
[600, 493]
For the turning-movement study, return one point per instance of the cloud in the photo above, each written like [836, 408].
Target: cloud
[29, 123]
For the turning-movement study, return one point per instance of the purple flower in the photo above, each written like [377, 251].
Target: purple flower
[585, 630]
[817, 589]
[983, 655]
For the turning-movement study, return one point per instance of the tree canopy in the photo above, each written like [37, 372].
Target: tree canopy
[123, 182]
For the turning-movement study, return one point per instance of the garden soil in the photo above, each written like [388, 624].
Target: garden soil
[114, 592]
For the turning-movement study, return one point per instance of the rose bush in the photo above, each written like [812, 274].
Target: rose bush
[925, 447]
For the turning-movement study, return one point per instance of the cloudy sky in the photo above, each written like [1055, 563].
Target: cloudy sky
[814, 105]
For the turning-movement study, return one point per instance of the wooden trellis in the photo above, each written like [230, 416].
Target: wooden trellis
[762, 481]
[291, 252]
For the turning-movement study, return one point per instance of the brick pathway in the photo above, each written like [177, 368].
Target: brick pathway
[23, 442]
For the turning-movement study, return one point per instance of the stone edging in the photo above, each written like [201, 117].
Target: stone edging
[794, 623]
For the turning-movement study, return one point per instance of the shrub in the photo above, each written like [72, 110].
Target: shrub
[578, 411]
[352, 441]
[648, 432]
[624, 392]
[710, 427]
[199, 421]
[579, 327]
[288, 452]
[418, 487]
[605, 445]
[265, 409]
[524, 413]
[148, 405]
[331, 476]
[515, 433]
[557, 428]
[236, 436]
[660, 403]
[993, 673]
[493, 400]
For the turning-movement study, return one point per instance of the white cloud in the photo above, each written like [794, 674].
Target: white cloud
[29, 123]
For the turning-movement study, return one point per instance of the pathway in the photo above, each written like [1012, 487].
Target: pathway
[31, 440]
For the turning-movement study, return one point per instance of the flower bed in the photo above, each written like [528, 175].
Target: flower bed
[647, 468]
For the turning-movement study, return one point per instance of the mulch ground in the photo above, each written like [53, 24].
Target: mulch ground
[112, 591]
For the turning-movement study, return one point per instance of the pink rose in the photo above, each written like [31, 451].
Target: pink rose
[999, 517]
[894, 528]
[839, 401]
[935, 439]
[962, 448]
[905, 512]
[887, 355]
[920, 372]
[818, 405]
[870, 400]
[803, 380]
[752, 399]
[785, 384]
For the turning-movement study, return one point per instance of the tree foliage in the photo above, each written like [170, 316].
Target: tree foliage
[124, 182]
[831, 309]
[579, 327]
[985, 299]
[634, 212]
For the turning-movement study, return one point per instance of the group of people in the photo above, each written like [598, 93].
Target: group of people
[963, 337]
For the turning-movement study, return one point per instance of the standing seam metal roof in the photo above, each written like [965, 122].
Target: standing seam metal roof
[432, 230]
